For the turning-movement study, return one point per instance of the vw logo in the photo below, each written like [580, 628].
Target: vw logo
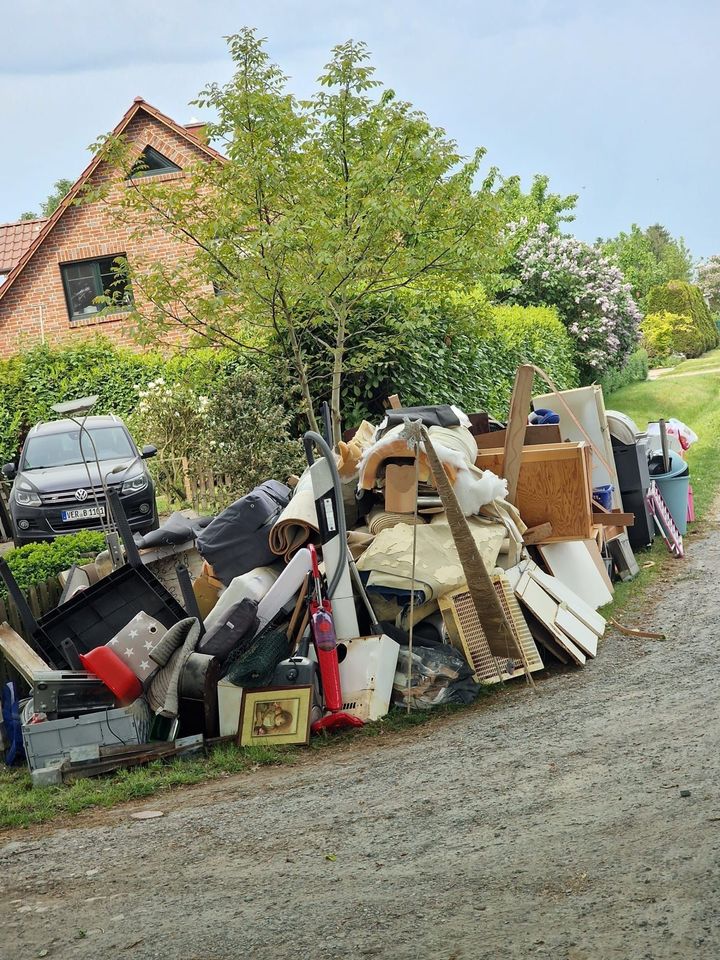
[81, 494]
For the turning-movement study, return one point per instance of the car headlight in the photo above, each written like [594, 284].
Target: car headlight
[134, 485]
[27, 498]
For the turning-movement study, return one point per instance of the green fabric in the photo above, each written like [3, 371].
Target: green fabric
[255, 666]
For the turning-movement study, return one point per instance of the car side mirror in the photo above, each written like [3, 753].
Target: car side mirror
[10, 470]
[149, 450]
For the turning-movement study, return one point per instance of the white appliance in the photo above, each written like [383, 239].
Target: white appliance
[367, 671]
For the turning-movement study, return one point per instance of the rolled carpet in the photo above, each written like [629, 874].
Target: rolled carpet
[298, 523]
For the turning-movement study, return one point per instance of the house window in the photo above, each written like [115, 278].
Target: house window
[150, 163]
[89, 279]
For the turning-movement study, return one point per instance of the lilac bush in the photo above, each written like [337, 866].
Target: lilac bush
[590, 293]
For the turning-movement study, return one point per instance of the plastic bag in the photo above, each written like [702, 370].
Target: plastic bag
[440, 674]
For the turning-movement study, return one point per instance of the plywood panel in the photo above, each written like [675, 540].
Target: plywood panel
[553, 487]
[572, 564]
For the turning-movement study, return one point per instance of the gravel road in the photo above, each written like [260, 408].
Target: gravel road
[549, 824]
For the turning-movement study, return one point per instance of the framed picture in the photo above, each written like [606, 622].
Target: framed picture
[275, 715]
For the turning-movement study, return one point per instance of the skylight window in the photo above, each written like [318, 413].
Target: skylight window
[151, 163]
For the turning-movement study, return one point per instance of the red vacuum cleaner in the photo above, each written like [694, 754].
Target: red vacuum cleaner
[323, 631]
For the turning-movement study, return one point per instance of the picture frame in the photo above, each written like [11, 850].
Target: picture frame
[274, 716]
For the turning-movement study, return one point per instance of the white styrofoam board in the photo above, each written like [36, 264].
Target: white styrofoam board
[571, 563]
[545, 608]
[577, 631]
[591, 618]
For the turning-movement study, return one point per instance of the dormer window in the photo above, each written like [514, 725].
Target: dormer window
[151, 163]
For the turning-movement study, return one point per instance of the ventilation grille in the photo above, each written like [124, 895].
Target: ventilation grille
[466, 633]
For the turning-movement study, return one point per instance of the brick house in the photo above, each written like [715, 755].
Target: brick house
[51, 270]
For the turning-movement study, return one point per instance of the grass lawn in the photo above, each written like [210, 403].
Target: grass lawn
[694, 400]
[708, 361]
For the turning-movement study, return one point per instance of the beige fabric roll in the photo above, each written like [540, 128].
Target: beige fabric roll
[298, 523]
[380, 519]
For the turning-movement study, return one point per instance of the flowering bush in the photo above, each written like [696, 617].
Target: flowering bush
[240, 431]
[590, 293]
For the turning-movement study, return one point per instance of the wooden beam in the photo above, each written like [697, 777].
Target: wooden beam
[532, 535]
[20, 654]
[614, 519]
[517, 424]
[393, 402]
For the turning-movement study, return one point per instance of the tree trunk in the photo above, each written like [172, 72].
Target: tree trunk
[301, 372]
[337, 372]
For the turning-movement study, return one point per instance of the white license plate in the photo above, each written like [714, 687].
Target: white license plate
[83, 513]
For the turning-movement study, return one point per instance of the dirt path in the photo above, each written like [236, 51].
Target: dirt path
[661, 374]
[545, 825]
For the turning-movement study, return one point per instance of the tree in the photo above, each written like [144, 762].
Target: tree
[648, 258]
[708, 278]
[673, 254]
[321, 206]
[60, 190]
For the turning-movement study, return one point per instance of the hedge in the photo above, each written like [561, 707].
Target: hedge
[467, 353]
[686, 299]
[36, 562]
[30, 383]
[439, 347]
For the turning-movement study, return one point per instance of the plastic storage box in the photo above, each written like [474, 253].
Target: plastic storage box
[54, 740]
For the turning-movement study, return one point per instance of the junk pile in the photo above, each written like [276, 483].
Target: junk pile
[429, 554]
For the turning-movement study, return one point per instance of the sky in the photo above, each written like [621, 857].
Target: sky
[614, 101]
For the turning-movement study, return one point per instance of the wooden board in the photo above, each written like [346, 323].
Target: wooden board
[553, 487]
[517, 424]
[19, 654]
[572, 563]
[597, 558]
[534, 434]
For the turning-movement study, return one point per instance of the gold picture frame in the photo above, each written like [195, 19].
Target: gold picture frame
[275, 716]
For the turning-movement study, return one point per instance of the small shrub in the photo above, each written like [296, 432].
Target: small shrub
[634, 371]
[36, 562]
[664, 333]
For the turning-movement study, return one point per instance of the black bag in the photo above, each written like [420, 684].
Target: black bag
[237, 540]
[239, 621]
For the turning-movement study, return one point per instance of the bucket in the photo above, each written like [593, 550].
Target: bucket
[603, 495]
[675, 491]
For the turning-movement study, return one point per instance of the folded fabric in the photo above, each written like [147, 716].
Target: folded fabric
[438, 570]
[298, 522]
[358, 541]
[171, 654]
[238, 538]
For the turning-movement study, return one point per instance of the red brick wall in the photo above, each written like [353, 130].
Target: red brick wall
[85, 232]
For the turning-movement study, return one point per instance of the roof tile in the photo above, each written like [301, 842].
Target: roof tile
[15, 239]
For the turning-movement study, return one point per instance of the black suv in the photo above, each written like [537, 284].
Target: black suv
[59, 483]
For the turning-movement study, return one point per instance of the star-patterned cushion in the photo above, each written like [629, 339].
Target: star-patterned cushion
[134, 644]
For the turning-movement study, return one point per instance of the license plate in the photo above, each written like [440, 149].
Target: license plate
[82, 513]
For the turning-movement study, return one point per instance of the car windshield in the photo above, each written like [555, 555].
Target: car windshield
[63, 449]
